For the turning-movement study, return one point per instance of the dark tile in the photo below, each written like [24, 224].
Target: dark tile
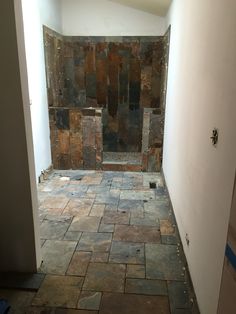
[128, 253]
[21, 281]
[53, 230]
[105, 277]
[133, 304]
[59, 291]
[178, 295]
[163, 262]
[144, 286]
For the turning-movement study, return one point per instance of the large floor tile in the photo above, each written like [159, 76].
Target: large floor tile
[53, 230]
[79, 207]
[119, 217]
[86, 224]
[163, 262]
[56, 256]
[136, 234]
[127, 253]
[117, 303]
[89, 300]
[95, 242]
[59, 291]
[105, 277]
[144, 286]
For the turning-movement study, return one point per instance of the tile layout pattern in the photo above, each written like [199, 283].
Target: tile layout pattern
[110, 245]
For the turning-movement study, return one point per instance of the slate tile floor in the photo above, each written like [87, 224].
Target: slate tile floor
[110, 245]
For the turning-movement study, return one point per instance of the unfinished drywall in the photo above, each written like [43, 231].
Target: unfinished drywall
[201, 96]
[36, 14]
[19, 236]
[105, 18]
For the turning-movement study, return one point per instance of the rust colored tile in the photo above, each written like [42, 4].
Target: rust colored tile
[90, 59]
[101, 69]
[167, 227]
[76, 146]
[136, 234]
[79, 264]
[64, 141]
[80, 77]
[75, 118]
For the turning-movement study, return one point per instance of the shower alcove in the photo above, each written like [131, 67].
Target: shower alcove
[106, 101]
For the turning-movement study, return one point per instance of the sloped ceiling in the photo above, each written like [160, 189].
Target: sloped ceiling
[157, 7]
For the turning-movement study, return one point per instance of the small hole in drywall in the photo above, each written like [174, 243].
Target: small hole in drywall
[152, 185]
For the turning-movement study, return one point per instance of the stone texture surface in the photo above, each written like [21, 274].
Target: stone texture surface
[95, 242]
[59, 291]
[89, 300]
[56, 256]
[136, 234]
[128, 253]
[105, 277]
[133, 304]
[111, 247]
[79, 264]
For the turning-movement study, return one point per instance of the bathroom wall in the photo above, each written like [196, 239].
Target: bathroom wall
[120, 75]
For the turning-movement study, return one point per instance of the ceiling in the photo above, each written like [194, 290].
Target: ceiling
[157, 7]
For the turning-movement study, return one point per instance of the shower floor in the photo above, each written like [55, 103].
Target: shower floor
[116, 161]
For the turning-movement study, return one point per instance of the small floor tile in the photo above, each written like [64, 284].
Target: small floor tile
[144, 286]
[95, 242]
[136, 234]
[127, 253]
[85, 224]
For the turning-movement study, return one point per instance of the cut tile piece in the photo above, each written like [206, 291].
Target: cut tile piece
[167, 227]
[105, 277]
[95, 242]
[79, 264]
[86, 224]
[178, 295]
[136, 234]
[117, 303]
[137, 195]
[112, 217]
[135, 271]
[162, 262]
[144, 286]
[127, 253]
[59, 291]
[89, 300]
[158, 209]
[169, 239]
[56, 256]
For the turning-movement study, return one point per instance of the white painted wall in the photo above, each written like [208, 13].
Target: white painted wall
[37, 13]
[201, 95]
[105, 18]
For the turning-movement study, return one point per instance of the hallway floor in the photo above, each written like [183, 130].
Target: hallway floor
[110, 245]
